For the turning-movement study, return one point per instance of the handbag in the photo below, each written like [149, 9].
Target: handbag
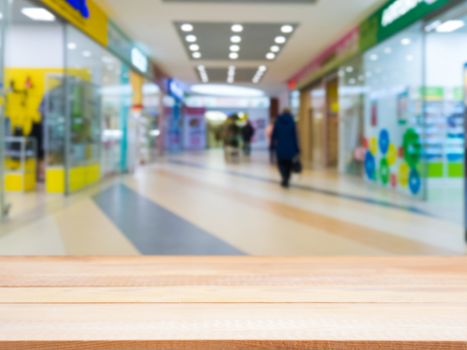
[297, 165]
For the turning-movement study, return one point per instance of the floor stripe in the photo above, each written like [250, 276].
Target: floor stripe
[357, 233]
[153, 229]
[355, 198]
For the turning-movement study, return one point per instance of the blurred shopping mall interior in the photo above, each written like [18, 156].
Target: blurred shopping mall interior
[152, 127]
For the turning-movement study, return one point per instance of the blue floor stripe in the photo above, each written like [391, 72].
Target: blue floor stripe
[155, 230]
[361, 199]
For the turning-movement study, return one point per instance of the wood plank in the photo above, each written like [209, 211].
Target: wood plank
[233, 303]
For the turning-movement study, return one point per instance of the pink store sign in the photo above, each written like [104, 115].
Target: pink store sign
[346, 44]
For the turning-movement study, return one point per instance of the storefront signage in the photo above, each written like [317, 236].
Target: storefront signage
[86, 15]
[401, 8]
[394, 17]
[81, 6]
[175, 89]
[139, 60]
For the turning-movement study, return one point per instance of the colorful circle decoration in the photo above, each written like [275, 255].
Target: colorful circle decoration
[415, 183]
[404, 173]
[384, 141]
[392, 154]
[373, 146]
[384, 171]
[370, 165]
[412, 147]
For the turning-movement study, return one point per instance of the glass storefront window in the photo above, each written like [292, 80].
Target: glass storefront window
[99, 102]
[445, 60]
[394, 133]
[351, 125]
[3, 205]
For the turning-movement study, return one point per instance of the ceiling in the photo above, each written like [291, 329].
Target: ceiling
[156, 25]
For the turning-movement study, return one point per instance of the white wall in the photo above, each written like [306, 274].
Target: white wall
[34, 46]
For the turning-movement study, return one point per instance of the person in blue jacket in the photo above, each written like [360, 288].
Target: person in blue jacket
[285, 142]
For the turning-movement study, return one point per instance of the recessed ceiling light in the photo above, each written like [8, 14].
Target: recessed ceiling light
[287, 29]
[236, 39]
[233, 55]
[87, 53]
[191, 38]
[237, 28]
[406, 41]
[194, 47]
[270, 56]
[280, 39]
[262, 68]
[450, 26]
[201, 67]
[374, 57]
[187, 27]
[349, 69]
[234, 48]
[275, 48]
[72, 46]
[197, 55]
[38, 14]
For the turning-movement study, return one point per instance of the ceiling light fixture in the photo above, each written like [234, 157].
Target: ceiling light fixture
[194, 47]
[270, 56]
[234, 48]
[280, 39]
[197, 55]
[38, 14]
[237, 28]
[287, 29]
[87, 53]
[275, 48]
[406, 41]
[374, 57]
[191, 38]
[236, 39]
[349, 69]
[186, 27]
[233, 55]
[72, 46]
[450, 26]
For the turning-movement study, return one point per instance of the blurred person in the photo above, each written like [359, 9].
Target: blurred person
[248, 132]
[272, 152]
[285, 143]
[231, 137]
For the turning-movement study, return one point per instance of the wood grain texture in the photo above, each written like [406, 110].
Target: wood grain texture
[233, 303]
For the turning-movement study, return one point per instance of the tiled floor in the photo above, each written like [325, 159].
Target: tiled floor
[195, 204]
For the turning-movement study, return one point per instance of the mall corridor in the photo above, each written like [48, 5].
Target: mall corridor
[233, 174]
[196, 204]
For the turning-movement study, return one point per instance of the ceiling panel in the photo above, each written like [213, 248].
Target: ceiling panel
[242, 75]
[251, 2]
[214, 39]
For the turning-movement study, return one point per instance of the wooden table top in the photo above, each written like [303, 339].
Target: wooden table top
[233, 303]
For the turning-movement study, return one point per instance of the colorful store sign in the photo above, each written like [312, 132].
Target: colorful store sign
[81, 6]
[86, 15]
[139, 60]
[393, 17]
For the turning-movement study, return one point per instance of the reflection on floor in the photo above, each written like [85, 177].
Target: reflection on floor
[195, 204]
